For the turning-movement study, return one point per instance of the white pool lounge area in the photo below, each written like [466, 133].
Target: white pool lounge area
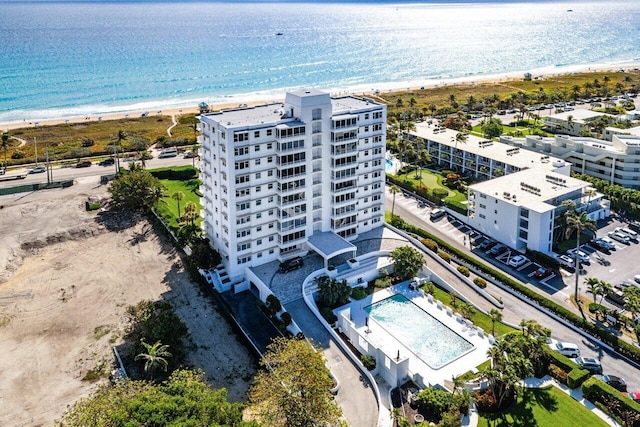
[412, 336]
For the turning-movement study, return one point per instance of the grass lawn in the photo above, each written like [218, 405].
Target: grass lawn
[431, 180]
[168, 208]
[478, 318]
[544, 408]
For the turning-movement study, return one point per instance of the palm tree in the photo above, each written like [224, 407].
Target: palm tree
[156, 356]
[5, 145]
[496, 316]
[178, 196]
[578, 223]
[117, 141]
[605, 289]
[593, 286]
[190, 213]
[461, 137]
[394, 189]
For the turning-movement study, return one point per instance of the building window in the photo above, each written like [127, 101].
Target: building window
[269, 145]
[258, 189]
[258, 175]
[257, 148]
[256, 134]
[257, 162]
[259, 215]
[269, 133]
[259, 242]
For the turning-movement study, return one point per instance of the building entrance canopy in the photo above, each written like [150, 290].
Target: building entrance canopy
[328, 244]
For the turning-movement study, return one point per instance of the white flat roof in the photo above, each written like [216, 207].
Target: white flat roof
[532, 188]
[491, 149]
[346, 104]
[267, 115]
[578, 115]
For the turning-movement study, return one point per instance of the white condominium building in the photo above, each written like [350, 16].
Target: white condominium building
[478, 157]
[617, 161]
[274, 175]
[519, 210]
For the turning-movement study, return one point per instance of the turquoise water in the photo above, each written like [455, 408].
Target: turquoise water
[388, 165]
[70, 58]
[433, 342]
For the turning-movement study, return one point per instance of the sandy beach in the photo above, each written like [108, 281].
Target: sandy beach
[369, 90]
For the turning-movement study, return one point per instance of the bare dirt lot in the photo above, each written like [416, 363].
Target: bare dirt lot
[65, 282]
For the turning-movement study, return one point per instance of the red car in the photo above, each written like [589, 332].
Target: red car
[542, 272]
[635, 395]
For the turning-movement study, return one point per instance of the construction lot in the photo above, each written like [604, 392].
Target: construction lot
[66, 279]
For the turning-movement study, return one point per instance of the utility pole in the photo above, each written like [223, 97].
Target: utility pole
[35, 144]
[49, 171]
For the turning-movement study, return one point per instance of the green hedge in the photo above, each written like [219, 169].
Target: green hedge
[480, 282]
[618, 344]
[596, 390]
[561, 361]
[181, 173]
[445, 256]
[576, 377]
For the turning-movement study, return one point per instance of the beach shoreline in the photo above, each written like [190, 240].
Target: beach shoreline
[271, 96]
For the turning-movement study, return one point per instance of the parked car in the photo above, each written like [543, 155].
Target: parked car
[291, 264]
[636, 278]
[635, 395]
[584, 258]
[602, 244]
[518, 260]
[634, 225]
[590, 364]
[38, 169]
[566, 260]
[107, 162]
[619, 237]
[83, 164]
[615, 382]
[498, 249]
[542, 272]
[610, 243]
[437, 213]
[568, 349]
[2, 170]
[617, 297]
[632, 234]
[487, 244]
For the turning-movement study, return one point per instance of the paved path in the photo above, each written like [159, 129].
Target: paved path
[355, 396]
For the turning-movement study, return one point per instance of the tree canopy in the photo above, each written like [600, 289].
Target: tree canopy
[407, 262]
[135, 190]
[292, 389]
[183, 400]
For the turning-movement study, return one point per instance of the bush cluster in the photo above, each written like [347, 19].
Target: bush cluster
[445, 256]
[463, 270]
[617, 403]
[180, 173]
[328, 315]
[368, 361]
[358, 293]
[576, 377]
[480, 282]
[430, 244]
[558, 373]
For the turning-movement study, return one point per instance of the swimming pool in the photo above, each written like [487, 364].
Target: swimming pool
[424, 335]
[388, 165]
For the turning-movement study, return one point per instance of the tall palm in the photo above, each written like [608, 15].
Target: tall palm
[117, 142]
[461, 137]
[496, 316]
[424, 158]
[394, 189]
[605, 289]
[178, 196]
[190, 213]
[5, 145]
[593, 286]
[578, 223]
[155, 357]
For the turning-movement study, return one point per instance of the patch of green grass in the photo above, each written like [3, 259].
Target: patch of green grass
[100, 331]
[478, 318]
[431, 180]
[548, 407]
[168, 207]
[468, 376]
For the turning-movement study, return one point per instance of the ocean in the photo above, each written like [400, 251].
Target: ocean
[74, 58]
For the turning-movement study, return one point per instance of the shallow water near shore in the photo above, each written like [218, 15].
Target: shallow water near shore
[61, 59]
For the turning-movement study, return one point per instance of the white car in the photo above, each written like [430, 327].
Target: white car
[632, 234]
[566, 348]
[619, 236]
[518, 261]
[566, 260]
[604, 243]
[584, 258]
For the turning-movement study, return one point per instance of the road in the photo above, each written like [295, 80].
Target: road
[66, 173]
[515, 309]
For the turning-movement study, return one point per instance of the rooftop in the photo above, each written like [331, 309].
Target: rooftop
[579, 115]
[530, 188]
[495, 150]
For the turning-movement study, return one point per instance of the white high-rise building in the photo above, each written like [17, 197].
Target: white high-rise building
[276, 174]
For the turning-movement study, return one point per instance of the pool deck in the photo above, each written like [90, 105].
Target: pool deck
[378, 337]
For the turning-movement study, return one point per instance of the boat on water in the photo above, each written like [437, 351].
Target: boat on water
[569, 10]
[279, 34]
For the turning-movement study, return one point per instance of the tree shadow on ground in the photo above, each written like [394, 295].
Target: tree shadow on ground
[118, 220]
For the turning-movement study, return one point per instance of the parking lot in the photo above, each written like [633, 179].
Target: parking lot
[614, 266]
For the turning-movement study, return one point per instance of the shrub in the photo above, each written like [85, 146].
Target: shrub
[431, 244]
[274, 304]
[445, 256]
[576, 377]
[617, 403]
[17, 155]
[368, 361]
[463, 270]
[485, 401]
[440, 193]
[328, 315]
[480, 282]
[562, 362]
[358, 293]
[180, 173]
[597, 308]
[383, 282]
[435, 401]
[286, 318]
[558, 373]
